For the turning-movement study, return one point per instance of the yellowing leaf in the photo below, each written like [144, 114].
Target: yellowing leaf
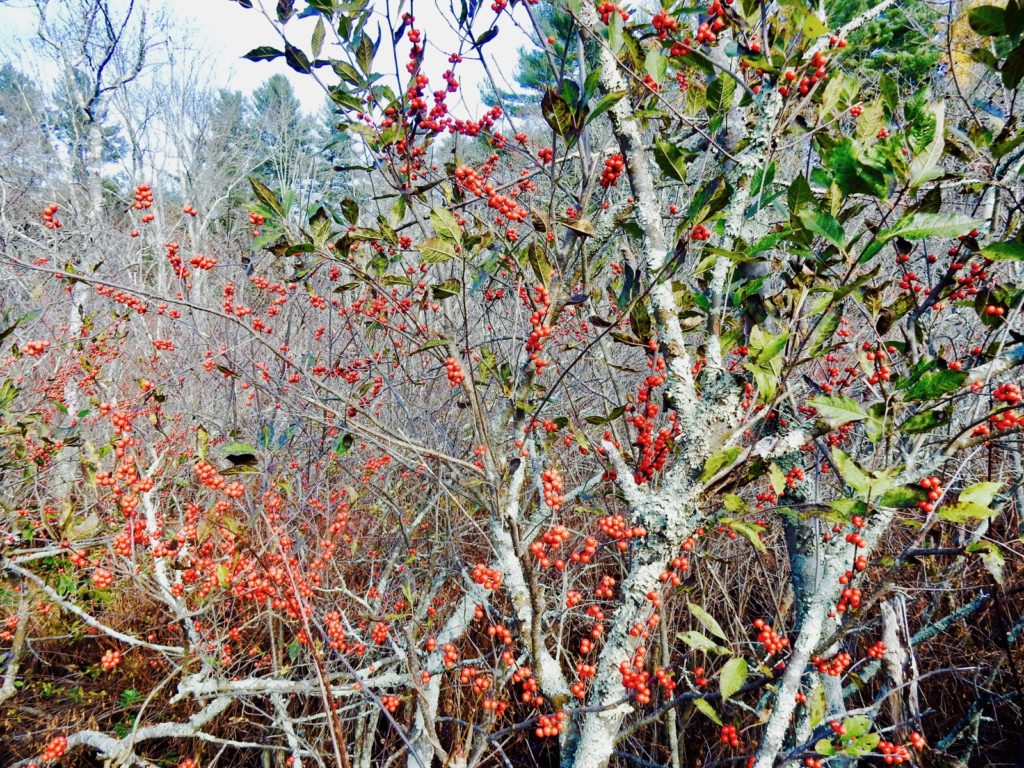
[734, 674]
[707, 620]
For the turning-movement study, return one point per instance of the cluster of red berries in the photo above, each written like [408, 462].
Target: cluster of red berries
[390, 702]
[379, 633]
[700, 232]
[586, 554]
[671, 574]
[698, 677]
[615, 527]
[707, 31]
[210, 476]
[132, 302]
[554, 538]
[1005, 420]
[199, 261]
[849, 600]
[473, 181]
[766, 636]
[34, 348]
[584, 671]
[143, 197]
[606, 589]
[111, 660]
[553, 485]
[606, 10]
[1005, 393]
[451, 655]
[654, 448]
[102, 578]
[877, 651]
[794, 476]
[550, 725]
[935, 491]
[635, 677]
[256, 221]
[819, 74]
[540, 330]
[454, 371]
[664, 24]
[190, 211]
[893, 754]
[613, 168]
[524, 676]
[833, 667]
[50, 220]
[54, 749]
[488, 578]
[730, 736]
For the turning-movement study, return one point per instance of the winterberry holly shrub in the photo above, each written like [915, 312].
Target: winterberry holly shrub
[675, 422]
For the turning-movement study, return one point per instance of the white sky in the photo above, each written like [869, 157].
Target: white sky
[225, 31]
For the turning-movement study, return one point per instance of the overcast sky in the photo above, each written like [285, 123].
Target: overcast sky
[226, 31]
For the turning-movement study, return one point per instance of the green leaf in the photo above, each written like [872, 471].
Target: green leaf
[856, 727]
[837, 410]
[263, 53]
[813, 26]
[317, 41]
[365, 52]
[296, 59]
[607, 101]
[771, 347]
[776, 477]
[736, 504]
[935, 384]
[991, 556]
[750, 532]
[707, 620]
[987, 20]
[447, 289]
[1013, 67]
[799, 195]
[919, 226]
[925, 165]
[437, 250]
[924, 422]
[823, 225]
[1004, 251]
[720, 93]
[445, 224]
[981, 493]
[862, 745]
[732, 677]
[539, 263]
[558, 114]
[902, 496]
[670, 160]
[267, 197]
[698, 641]
[821, 338]
[816, 705]
[852, 475]
[719, 461]
[707, 710]
[964, 511]
[856, 171]
[824, 747]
